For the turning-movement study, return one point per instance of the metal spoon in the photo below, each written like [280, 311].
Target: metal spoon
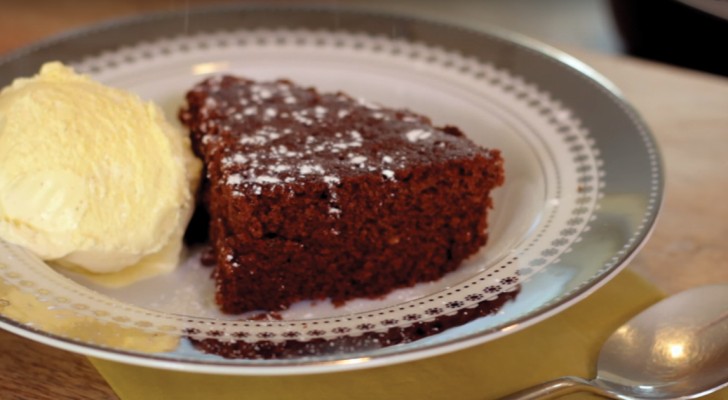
[676, 349]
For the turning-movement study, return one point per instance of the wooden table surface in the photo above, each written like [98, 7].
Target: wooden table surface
[687, 111]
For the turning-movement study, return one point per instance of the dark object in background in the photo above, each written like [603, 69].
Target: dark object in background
[674, 33]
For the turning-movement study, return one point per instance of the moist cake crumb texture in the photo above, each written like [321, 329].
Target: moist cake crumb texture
[320, 195]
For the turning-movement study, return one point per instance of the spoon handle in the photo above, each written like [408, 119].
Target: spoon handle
[557, 388]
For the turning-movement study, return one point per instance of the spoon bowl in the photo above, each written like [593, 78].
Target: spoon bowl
[676, 349]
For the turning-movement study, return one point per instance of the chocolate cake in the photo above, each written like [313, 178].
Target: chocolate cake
[319, 195]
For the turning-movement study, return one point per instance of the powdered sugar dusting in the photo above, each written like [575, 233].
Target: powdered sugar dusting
[234, 179]
[266, 179]
[310, 169]
[289, 135]
[416, 135]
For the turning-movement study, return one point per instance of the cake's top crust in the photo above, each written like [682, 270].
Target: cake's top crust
[277, 133]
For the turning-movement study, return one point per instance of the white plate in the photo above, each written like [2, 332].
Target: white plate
[583, 187]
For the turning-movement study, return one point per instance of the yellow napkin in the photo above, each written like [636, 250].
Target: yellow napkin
[566, 344]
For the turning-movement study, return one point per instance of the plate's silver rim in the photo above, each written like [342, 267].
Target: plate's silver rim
[320, 366]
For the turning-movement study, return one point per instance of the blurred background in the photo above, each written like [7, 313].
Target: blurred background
[688, 33]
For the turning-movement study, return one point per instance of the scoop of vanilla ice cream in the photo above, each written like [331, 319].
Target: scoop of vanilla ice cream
[92, 177]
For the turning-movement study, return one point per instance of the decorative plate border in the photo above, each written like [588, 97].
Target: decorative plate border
[17, 280]
[501, 278]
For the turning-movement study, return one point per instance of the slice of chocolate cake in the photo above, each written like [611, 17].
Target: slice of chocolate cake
[319, 195]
